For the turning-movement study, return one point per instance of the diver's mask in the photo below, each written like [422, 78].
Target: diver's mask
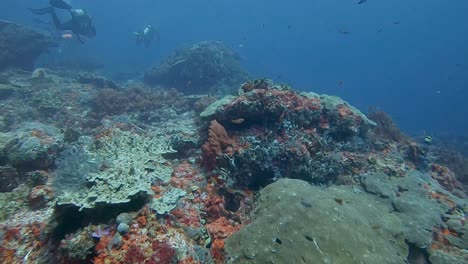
[79, 12]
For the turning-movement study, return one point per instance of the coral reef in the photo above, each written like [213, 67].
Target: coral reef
[72, 64]
[433, 219]
[447, 179]
[421, 208]
[276, 132]
[131, 164]
[386, 128]
[140, 101]
[205, 67]
[20, 46]
[200, 105]
[9, 178]
[97, 81]
[52, 100]
[33, 146]
[168, 202]
[138, 175]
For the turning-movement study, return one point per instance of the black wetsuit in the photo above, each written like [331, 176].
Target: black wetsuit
[80, 22]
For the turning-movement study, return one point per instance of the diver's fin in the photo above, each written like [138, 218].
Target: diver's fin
[80, 39]
[60, 4]
[42, 11]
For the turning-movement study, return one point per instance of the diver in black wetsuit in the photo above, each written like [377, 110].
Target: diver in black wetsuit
[147, 35]
[80, 23]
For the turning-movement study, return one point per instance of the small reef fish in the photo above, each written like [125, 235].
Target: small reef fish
[67, 36]
[238, 121]
[362, 2]
[343, 31]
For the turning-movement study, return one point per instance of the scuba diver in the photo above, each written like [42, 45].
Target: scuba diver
[147, 35]
[80, 23]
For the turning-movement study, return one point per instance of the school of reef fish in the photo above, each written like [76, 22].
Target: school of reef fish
[196, 162]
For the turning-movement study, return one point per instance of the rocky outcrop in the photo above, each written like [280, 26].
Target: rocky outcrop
[20, 46]
[208, 66]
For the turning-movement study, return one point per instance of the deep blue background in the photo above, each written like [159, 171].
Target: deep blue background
[416, 68]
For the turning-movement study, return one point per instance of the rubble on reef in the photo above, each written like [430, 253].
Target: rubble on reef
[21, 46]
[94, 172]
[208, 66]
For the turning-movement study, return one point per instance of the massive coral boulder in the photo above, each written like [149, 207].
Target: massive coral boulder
[295, 222]
[33, 146]
[20, 46]
[208, 66]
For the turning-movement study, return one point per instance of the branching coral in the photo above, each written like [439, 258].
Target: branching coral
[217, 141]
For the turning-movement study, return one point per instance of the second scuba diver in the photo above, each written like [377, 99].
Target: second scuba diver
[147, 35]
[80, 23]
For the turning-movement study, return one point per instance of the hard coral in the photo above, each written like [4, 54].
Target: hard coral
[110, 102]
[207, 66]
[203, 103]
[134, 255]
[136, 100]
[162, 253]
[386, 128]
[446, 178]
[217, 141]
[276, 132]
[221, 228]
